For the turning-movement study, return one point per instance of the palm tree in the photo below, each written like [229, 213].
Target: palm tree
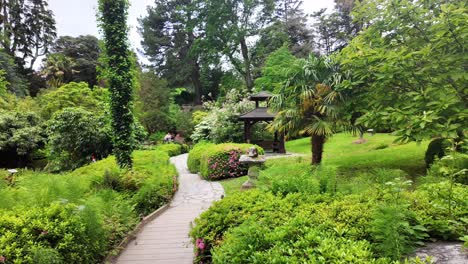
[307, 103]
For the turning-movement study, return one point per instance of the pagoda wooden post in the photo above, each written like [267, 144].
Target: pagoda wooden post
[247, 131]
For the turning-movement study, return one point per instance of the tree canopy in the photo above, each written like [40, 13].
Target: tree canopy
[409, 66]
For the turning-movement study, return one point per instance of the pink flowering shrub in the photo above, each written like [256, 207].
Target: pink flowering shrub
[225, 165]
[216, 162]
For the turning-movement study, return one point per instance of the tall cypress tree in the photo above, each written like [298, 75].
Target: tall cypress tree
[113, 22]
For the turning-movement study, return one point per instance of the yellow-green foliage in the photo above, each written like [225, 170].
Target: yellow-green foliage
[198, 116]
[193, 162]
[96, 206]
[173, 149]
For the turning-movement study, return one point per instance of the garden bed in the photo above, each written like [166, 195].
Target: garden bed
[78, 217]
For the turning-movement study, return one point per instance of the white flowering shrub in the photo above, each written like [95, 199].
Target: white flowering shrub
[221, 124]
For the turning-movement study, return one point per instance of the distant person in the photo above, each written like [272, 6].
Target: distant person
[168, 138]
[179, 138]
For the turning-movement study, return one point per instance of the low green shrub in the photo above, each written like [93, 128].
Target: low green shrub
[79, 216]
[195, 155]
[58, 227]
[222, 161]
[173, 149]
[453, 166]
[376, 226]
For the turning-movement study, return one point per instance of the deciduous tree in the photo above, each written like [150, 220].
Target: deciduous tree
[410, 67]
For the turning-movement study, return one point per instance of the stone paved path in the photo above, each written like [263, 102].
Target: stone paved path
[165, 239]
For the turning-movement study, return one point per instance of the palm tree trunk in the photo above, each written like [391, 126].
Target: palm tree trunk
[317, 142]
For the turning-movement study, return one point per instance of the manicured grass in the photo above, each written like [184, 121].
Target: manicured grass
[233, 185]
[349, 159]
[340, 151]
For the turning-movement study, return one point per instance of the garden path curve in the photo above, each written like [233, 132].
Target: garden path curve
[165, 239]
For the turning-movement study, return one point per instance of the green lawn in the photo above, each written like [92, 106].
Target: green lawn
[379, 152]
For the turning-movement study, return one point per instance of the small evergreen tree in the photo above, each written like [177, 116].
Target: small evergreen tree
[113, 22]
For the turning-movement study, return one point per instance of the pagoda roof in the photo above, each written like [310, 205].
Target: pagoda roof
[258, 114]
[261, 96]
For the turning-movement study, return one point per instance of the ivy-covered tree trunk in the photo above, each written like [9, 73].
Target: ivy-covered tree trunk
[317, 142]
[113, 21]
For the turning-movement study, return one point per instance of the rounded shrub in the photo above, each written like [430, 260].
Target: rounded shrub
[195, 155]
[436, 149]
[215, 162]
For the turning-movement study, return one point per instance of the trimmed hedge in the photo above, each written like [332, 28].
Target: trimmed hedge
[80, 216]
[216, 162]
[195, 155]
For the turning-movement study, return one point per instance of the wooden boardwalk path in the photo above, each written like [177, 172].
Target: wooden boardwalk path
[165, 240]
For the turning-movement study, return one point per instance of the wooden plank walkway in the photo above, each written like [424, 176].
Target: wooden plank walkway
[165, 240]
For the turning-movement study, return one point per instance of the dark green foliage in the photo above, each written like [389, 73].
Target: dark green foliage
[84, 52]
[153, 103]
[436, 150]
[393, 226]
[17, 83]
[74, 136]
[72, 60]
[28, 28]
[173, 52]
[21, 134]
[113, 21]
[411, 79]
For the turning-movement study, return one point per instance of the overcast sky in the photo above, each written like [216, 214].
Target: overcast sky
[76, 18]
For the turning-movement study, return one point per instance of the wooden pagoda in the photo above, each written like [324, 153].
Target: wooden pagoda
[261, 114]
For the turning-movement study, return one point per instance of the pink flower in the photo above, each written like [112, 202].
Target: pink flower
[200, 244]
[2, 259]
[44, 232]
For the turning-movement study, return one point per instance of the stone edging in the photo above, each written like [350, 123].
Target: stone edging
[133, 234]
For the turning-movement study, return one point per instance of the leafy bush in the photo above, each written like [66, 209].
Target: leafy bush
[435, 150]
[215, 162]
[198, 116]
[195, 155]
[73, 95]
[73, 240]
[223, 165]
[173, 149]
[20, 135]
[74, 136]
[375, 226]
[79, 216]
[221, 124]
[453, 167]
